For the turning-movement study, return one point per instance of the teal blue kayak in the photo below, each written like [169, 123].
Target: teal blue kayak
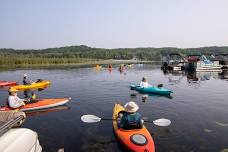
[153, 89]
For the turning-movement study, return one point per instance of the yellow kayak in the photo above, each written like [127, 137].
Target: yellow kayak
[36, 85]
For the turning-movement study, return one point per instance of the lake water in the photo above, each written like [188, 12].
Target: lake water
[198, 108]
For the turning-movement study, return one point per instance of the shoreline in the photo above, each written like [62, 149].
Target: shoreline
[82, 64]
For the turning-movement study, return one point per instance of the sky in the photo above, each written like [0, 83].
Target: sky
[37, 24]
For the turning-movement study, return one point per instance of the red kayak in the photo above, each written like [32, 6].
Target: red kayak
[40, 104]
[5, 83]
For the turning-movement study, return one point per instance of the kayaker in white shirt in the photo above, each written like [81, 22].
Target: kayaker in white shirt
[144, 83]
[13, 100]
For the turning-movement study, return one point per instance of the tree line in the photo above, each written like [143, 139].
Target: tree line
[82, 53]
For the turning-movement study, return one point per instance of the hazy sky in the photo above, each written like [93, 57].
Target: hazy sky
[113, 23]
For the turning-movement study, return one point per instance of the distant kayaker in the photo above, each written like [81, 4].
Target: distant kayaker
[13, 100]
[26, 81]
[144, 83]
[130, 118]
[121, 68]
[110, 66]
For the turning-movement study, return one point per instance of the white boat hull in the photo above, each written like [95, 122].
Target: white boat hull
[20, 140]
[208, 67]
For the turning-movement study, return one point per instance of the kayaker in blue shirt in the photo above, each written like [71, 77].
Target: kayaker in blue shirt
[144, 83]
[26, 81]
[130, 118]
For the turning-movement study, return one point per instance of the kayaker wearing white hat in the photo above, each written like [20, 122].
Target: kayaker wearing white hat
[13, 100]
[144, 83]
[130, 118]
[26, 81]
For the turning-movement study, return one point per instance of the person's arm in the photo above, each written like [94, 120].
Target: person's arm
[26, 82]
[14, 103]
[140, 120]
[31, 82]
[19, 100]
[148, 84]
[122, 122]
[141, 84]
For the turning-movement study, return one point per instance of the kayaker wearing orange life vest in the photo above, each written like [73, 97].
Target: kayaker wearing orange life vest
[130, 118]
[144, 83]
[110, 66]
[13, 100]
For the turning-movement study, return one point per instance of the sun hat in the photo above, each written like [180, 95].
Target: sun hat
[25, 75]
[12, 90]
[131, 107]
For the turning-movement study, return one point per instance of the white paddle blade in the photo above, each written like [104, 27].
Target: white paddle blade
[162, 122]
[90, 118]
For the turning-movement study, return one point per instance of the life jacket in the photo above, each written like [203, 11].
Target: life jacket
[33, 96]
[131, 121]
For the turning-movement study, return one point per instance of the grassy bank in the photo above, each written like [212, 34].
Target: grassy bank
[84, 63]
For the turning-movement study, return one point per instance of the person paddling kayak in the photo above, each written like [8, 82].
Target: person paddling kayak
[110, 66]
[130, 118]
[144, 83]
[13, 100]
[26, 81]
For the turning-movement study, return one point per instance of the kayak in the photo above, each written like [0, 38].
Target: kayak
[40, 104]
[153, 89]
[6, 83]
[36, 85]
[135, 140]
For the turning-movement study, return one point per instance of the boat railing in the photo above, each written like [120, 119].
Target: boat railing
[10, 124]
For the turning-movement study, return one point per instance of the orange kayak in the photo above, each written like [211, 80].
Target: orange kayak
[41, 104]
[135, 140]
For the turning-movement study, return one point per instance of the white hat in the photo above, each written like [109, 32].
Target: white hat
[25, 75]
[131, 107]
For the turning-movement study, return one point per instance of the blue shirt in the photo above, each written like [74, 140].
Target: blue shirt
[26, 81]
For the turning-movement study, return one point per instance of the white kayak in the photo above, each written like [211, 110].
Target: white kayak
[20, 140]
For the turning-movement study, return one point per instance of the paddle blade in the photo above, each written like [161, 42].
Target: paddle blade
[162, 122]
[90, 118]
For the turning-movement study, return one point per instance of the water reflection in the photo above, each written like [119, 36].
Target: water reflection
[144, 96]
[194, 78]
[46, 111]
[223, 75]
[196, 114]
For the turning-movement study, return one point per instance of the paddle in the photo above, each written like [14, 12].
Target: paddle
[93, 119]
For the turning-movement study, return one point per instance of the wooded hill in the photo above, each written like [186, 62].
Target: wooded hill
[82, 53]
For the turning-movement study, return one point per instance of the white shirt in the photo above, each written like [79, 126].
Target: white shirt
[144, 84]
[15, 102]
